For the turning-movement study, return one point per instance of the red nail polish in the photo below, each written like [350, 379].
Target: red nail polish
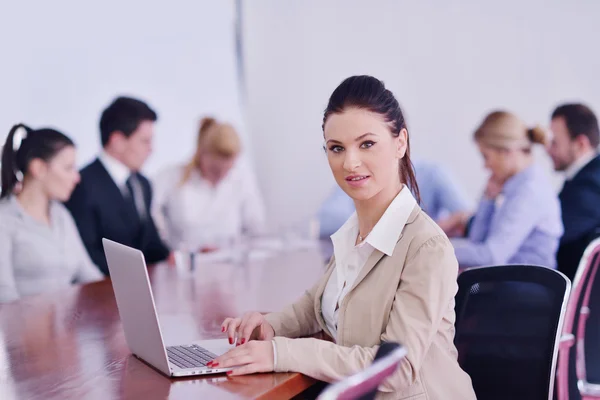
[243, 341]
[213, 364]
[229, 372]
[223, 329]
[230, 341]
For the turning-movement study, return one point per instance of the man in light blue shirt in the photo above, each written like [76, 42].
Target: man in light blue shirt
[439, 196]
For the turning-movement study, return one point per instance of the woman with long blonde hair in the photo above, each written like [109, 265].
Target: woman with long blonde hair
[210, 200]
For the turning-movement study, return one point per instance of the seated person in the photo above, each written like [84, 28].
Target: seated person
[113, 198]
[439, 196]
[574, 151]
[392, 279]
[212, 200]
[40, 248]
[518, 219]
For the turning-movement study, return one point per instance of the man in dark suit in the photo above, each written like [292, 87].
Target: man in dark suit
[113, 198]
[574, 151]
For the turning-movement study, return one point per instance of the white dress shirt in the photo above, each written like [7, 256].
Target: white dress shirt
[196, 213]
[351, 258]
[579, 164]
[118, 171]
[120, 174]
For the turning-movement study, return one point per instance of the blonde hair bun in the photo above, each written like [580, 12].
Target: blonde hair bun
[537, 134]
[206, 123]
[505, 130]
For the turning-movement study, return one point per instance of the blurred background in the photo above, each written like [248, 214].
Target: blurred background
[268, 67]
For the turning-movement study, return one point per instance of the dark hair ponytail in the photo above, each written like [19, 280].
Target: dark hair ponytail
[369, 93]
[9, 161]
[43, 144]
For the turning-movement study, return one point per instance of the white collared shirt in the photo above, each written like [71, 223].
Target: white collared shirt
[351, 258]
[196, 213]
[118, 171]
[579, 164]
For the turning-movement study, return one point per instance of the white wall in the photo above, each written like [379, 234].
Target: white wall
[448, 64]
[64, 61]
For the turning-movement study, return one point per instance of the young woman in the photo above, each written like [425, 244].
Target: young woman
[211, 200]
[392, 277]
[518, 220]
[40, 247]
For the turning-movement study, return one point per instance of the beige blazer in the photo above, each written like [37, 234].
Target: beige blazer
[406, 298]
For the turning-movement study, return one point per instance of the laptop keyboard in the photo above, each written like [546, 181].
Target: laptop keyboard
[192, 356]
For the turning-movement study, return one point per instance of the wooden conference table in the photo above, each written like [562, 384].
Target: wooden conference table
[71, 344]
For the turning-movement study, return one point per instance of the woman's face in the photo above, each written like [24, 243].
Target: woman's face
[362, 153]
[59, 176]
[502, 163]
[214, 167]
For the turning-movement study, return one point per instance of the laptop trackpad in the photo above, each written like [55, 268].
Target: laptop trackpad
[215, 346]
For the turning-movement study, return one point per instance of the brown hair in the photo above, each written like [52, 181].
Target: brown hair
[216, 138]
[504, 130]
[580, 120]
[370, 93]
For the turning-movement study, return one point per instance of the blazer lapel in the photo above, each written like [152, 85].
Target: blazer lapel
[377, 255]
[114, 193]
[372, 261]
[319, 296]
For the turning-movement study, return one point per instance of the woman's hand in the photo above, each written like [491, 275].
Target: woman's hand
[493, 188]
[252, 326]
[255, 356]
[208, 249]
[455, 225]
[171, 261]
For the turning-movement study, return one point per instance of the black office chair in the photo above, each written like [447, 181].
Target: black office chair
[363, 385]
[508, 326]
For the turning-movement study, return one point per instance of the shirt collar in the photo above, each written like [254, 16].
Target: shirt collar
[578, 165]
[385, 233]
[116, 169]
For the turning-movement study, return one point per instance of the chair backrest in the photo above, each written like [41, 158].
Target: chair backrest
[508, 325]
[577, 312]
[364, 384]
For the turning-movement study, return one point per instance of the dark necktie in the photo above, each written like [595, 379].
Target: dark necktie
[135, 196]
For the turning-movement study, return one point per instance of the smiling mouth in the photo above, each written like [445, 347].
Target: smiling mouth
[356, 178]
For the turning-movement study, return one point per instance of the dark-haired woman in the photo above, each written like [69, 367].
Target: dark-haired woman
[392, 277]
[40, 247]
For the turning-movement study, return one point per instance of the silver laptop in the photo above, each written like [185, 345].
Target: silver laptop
[135, 302]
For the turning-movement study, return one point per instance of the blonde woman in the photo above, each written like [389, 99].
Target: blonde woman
[211, 200]
[518, 220]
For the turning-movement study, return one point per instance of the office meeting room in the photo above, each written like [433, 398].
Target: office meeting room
[262, 199]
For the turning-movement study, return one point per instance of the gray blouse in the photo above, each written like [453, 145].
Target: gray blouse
[37, 258]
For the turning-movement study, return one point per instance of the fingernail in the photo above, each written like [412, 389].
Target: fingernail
[243, 341]
[213, 364]
[229, 372]
[230, 341]
[223, 329]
